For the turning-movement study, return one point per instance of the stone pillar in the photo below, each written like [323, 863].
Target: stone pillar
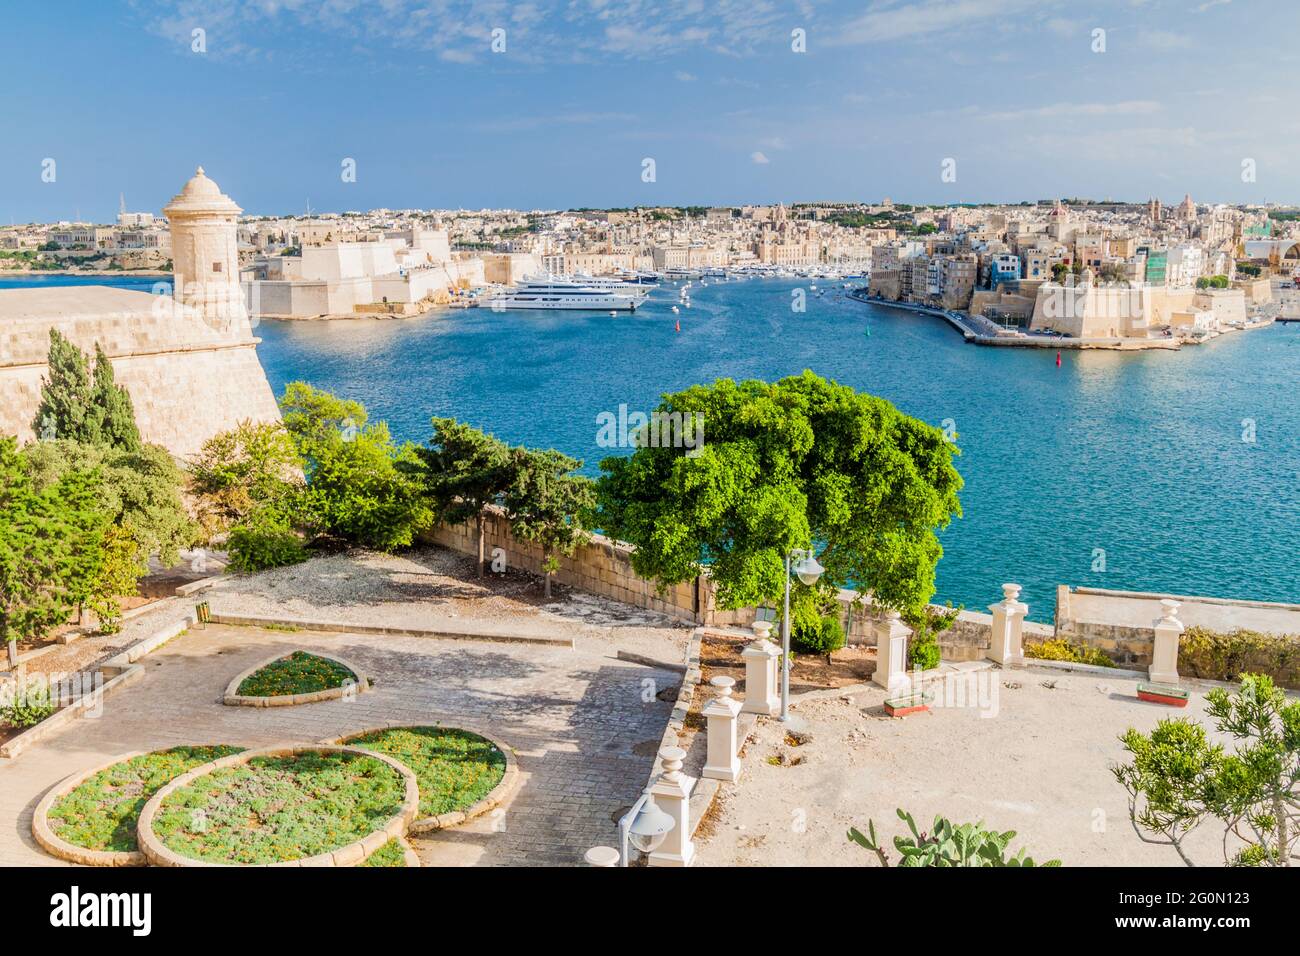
[761, 673]
[722, 761]
[891, 653]
[1164, 656]
[672, 792]
[1006, 645]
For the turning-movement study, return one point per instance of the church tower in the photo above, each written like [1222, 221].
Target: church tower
[205, 256]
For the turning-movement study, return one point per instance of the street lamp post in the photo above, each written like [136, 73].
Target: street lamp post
[809, 572]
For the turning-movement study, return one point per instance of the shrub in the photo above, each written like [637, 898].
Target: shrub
[927, 624]
[1060, 649]
[1213, 655]
[947, 845]
[264, 540]
[29, 705]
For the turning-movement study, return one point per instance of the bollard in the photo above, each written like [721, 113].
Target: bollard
[1006, 643]
[672, 792]
[1164, 655]
[891, 653]
[722, 761]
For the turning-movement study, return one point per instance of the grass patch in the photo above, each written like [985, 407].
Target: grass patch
[273, 809]
[101, 812]
[455, 768]
[391, 853]
[299, 673]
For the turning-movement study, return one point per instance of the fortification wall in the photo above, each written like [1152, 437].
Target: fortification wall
[181, 398]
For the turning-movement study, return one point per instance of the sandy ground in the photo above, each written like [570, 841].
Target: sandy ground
[1037, 764]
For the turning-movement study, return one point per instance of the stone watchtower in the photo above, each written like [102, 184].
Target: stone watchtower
[205, 256]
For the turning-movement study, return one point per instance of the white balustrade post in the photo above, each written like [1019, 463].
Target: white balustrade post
[1006, 644]
[601, 856]
[891, 653]
[760, 659]
[722, 761]
[672, 792]
[1164, 656]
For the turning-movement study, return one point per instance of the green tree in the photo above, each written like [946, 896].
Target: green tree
[546, 502]
[927, 623]
[120, 571]
[251, 466]
[361, 486]
[50, 546]
[783, 465]
[1178, 778]
[466, 472]
[79, 407]
[112, 403]
[140, 491]
[67, 408]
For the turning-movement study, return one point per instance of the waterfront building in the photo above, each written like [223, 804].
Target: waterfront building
[188, 359]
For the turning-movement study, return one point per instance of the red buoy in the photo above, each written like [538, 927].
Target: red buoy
[1058, 359]
[679, 325]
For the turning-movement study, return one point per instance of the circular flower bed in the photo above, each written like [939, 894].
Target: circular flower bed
[90, 817]
[297, 678]
[295, 806]
[461, 774]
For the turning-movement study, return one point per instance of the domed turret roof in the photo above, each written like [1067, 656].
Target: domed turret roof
[200, 195]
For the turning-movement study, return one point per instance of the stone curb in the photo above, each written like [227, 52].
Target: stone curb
[232, 697]
[57, 846]
[408, 854]
[346, 627]
[358, 852]
[60, 719]
[502, 792]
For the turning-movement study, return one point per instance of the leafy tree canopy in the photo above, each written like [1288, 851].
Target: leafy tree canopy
[783, 465]
[547, 502]
[81, 408]
[139, 491]
[51, 546]
[251, 466]
[361, 486]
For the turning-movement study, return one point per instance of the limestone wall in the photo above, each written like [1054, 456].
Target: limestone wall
[1120, 622]
[187, 379]
[604, 567]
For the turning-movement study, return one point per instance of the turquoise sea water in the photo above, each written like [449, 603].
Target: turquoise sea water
[1139, 455]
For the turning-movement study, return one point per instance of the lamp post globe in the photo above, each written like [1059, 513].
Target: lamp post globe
[808, 570]
[650, 827]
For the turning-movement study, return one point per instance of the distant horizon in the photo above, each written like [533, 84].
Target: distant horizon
[789, 204]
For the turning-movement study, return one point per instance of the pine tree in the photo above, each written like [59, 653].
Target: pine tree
[67, 406]
[117, 425]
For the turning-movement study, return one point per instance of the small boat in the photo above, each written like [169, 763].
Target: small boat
[675, 309]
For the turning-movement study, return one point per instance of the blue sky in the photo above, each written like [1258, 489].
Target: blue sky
[286, 90]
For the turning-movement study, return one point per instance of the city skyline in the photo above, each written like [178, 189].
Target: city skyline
[274, 98]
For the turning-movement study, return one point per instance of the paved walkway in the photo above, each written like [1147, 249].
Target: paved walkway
[584, 726]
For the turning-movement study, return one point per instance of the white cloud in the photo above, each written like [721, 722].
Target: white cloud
[758, 159]
[887, 20]
[683, 77]
[1074, 110]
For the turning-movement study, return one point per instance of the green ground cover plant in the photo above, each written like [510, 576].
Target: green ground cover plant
[273, 809]
[298, 673]
[390, 854]
[455, 768]
[101, 812]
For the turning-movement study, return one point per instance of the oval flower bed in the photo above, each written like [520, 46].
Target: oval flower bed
[297, 806]
[297, 678]
[90, 818]
[461, 774]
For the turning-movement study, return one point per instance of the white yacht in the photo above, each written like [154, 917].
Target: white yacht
[554, 293]
[615, 284]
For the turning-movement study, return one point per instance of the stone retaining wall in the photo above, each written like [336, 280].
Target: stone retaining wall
[1120, 623]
